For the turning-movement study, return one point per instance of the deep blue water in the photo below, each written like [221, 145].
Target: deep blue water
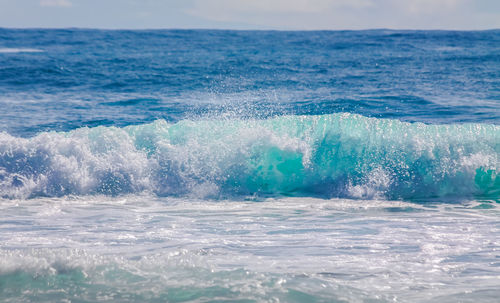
[94, 77]
[249, 166]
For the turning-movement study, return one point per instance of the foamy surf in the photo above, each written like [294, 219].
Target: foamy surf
[144, 248]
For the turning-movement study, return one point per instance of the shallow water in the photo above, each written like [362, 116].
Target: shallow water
[290, 249]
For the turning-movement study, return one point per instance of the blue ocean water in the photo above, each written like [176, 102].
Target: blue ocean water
[249, 166]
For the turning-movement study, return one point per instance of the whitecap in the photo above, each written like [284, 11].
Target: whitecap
[6, 50]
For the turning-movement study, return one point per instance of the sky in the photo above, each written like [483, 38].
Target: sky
[252, 14]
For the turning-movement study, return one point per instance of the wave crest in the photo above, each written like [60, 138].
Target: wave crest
[339, 155]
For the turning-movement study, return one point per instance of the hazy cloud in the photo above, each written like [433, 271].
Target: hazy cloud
[429, 6]
[253, 14]
[56, 3]
[344, 14]
[220, 8]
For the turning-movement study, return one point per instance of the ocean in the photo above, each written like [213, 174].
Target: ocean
[249, 166]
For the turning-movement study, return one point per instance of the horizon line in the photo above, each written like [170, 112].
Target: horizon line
[243, 30]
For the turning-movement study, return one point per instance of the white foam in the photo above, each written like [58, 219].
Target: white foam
[415, 254]
[375, 186]
[6, 50]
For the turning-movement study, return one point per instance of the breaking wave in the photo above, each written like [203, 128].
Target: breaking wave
[338, 155]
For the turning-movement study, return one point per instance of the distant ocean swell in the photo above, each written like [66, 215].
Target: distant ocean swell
[338, 155]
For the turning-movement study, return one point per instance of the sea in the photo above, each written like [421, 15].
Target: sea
[249, 166]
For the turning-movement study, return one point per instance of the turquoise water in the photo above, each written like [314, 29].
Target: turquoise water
[249, 166]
